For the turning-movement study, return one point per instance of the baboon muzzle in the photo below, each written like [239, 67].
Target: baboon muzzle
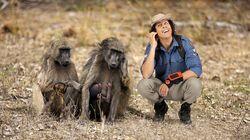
[66, 63]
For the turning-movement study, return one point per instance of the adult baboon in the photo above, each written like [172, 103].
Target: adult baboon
[58, 67]
[105, 82]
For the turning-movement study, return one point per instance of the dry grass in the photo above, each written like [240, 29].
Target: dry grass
[221, 112]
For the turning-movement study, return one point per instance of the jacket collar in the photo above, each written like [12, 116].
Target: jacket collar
[173, 45]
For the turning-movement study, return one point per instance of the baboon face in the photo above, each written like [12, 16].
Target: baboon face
[113, 58]
[113, 51]
[60, 87]
[63, 56]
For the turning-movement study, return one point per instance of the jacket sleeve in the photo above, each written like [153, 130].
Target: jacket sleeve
[146, 55]
[192, 58]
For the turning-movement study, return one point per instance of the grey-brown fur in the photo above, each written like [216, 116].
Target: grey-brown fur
[56, 104]
[59, 69]
[98, 70]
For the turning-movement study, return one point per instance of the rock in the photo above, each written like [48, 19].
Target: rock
[9, 27]
[70, 32]
[239, 71]
[8, 131]
[216, 78]
[40, 126]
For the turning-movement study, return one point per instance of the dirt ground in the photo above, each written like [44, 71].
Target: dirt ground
[219, 31]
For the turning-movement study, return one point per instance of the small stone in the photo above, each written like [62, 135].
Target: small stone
[216, 78]
[40, 127]
[8, 131]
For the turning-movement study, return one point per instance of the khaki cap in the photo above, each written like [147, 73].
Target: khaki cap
[159, 17]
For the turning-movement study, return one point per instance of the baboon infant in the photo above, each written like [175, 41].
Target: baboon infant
[105, 82]
[56, 104]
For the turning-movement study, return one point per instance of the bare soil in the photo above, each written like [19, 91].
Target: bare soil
[222, 111]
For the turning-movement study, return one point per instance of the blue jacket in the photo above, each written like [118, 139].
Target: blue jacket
[170, 61]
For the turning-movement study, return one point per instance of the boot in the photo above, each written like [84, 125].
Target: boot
[160, 110]
[184, 113]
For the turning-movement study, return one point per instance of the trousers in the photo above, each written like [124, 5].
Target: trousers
[186, 91]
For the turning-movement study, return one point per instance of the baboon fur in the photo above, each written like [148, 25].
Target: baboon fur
[59, 69]
[56, 105]
[98, 70]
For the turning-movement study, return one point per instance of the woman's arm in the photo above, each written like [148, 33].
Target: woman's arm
[148, 65]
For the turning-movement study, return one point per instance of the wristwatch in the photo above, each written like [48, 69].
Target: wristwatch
[174, 78]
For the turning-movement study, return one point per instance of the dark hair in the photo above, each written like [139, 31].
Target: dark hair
[172, 25]
[153, 29]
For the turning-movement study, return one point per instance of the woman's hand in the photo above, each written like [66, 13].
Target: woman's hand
[152, 40]
[163, 90]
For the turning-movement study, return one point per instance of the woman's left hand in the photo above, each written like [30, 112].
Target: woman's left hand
[163, 90]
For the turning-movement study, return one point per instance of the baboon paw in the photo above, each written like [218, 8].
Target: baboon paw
[109, 122]
[83, 117]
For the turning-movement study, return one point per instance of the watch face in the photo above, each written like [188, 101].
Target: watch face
[173, 76]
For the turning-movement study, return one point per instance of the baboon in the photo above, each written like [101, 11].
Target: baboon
[56, 104]
[58, 67]
[4, 4]
[105, 82]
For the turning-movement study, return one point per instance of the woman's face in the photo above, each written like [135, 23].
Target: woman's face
[163, 29]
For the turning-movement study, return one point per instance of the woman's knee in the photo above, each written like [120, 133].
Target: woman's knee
[194, 84]
[147, 88]
[143, 84]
